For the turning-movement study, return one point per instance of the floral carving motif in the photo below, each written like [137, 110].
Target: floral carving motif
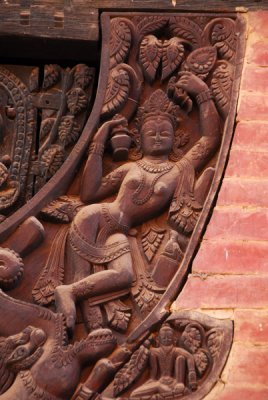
[117, 91]
[150, 56]
[223, 37]
[201, 61]
[51, 75]
[221, 85]
[151, 241]
[120, 41]
[173, 53]
[76, 100]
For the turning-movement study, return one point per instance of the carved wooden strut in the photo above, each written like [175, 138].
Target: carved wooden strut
[104, 257]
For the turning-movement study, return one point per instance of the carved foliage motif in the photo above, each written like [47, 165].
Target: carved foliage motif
[64, 102]
[25, 163]
[150, 56]
[218, 36]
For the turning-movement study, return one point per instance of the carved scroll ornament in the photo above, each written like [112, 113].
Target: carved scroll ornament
[104, 261]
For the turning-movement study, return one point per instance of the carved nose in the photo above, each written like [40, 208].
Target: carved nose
[157, 135]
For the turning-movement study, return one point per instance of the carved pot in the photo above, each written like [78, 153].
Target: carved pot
[121, 143]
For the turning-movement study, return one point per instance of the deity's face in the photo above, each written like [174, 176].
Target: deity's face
[157, 135]
[166, 336]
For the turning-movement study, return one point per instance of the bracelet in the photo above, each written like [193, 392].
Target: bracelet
[203, 96]
[96, 148]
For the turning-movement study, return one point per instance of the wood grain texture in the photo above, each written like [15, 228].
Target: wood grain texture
[50, 19]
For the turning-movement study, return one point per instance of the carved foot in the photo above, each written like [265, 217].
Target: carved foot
[83, 393]
[65, 304]
[179, 389]
[192, 380]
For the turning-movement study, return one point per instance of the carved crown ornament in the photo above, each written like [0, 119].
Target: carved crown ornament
[117, 204]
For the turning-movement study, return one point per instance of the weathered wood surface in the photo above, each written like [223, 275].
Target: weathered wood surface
[198, 5]
[49, 19]
[79, 20]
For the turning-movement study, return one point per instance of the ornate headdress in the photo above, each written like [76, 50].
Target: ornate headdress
[157, 105]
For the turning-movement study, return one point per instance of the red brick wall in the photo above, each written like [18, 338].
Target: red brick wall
[230, 272]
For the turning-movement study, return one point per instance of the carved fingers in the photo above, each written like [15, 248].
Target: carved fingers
[191, 83]
[105, 130]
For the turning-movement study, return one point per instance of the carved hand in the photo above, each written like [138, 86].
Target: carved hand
[191, 83]
[105, 130]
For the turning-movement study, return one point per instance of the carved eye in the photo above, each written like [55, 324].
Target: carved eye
[20, 352]
[165, 133]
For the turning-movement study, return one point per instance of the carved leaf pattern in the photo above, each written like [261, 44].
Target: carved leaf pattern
[76, 100]
[69, 130]
[187, 213]
[82, 76]
[46, 126]
[151, 241]
[117, 91]
[147, 294]
[52, 159]
[221, 86]
[201, 61]
[150, 24]
[201, 361]
[62, 210]
[191, 338]
[173, 52]
[187, 29]
[120, 41]
[150, 56]
[224, 38]
[215, 338]
[132, 370]
[51, 75]
[201, 21]
[118, 315]
[34, 80]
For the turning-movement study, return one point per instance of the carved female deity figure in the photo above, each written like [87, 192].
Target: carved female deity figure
[98, 233]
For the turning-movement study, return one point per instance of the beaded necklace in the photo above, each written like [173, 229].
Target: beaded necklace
[154, 169]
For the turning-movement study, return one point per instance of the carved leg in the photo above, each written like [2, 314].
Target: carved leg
[148, 389]
[191, 373]
[118, 277]
[92, 316]
[180, 374]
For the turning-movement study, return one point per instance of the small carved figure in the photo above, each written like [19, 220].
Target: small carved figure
[97, 243]
[170, 366]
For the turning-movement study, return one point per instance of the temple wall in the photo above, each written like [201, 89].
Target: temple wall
[229, 276]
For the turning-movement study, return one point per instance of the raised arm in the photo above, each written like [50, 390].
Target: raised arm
[93, 186]
[206, 146]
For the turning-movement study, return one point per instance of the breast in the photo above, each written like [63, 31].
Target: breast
[132, 183]
[160, 188]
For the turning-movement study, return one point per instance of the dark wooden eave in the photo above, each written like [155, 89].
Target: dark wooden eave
[79, 19]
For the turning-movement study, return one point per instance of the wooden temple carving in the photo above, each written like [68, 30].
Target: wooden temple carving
[90, 265]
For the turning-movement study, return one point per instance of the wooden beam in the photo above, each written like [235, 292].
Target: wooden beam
[47, 19]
